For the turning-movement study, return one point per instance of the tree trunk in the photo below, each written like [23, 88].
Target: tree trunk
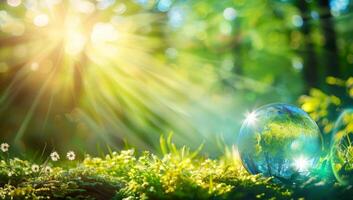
[330, 55]
[310, 67]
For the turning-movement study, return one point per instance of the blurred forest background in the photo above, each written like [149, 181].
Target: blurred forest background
[86, 74]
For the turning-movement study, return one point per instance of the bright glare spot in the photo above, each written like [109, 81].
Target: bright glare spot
[301, 164]
[75, 42]
[14, 3]
[103, 32]
[230, 14]
[297, 21]
[41, 20]
[34, 66]
[251, 118]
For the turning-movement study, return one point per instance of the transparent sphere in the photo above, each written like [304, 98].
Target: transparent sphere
[279, 140]
[342, 148]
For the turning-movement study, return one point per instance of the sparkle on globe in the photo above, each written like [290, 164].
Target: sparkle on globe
[250, 118]
[342, 148]
[279, 140]
[301, 163]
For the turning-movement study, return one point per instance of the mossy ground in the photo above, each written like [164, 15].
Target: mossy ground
[176, 175]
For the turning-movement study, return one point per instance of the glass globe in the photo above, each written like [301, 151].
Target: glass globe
[279, 140]
[342, 148]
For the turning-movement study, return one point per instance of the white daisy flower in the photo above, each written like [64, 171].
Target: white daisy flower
[47, 169]
[35, 168]
[71, 155]
[54, 156]
[4, 147]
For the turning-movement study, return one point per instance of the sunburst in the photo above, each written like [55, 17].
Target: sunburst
[92, 61]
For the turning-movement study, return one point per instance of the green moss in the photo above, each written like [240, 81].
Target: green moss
[178, 175]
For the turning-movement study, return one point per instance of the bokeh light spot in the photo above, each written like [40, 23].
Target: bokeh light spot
[171, 52]
[176, 17]
[315, 15]
[164, 5]
[297, 64]
[41, 20]
[34, 66]
[230, 14]
[297, 21]
[14, 3]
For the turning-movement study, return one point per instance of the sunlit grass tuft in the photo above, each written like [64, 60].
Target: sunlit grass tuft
[178, 173]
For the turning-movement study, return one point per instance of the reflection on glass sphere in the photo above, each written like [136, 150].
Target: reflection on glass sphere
[342, 149]
[279, 140]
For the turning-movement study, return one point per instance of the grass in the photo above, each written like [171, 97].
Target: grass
[178, 174]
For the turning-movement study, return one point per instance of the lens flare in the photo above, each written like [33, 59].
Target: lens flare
[301, 163]
[251, 118]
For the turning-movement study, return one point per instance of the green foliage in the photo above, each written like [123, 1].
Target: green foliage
[125, 176]
[324, 107]
[178, 174]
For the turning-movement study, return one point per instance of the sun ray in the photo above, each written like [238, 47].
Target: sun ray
[37, 99]
[109, 72]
